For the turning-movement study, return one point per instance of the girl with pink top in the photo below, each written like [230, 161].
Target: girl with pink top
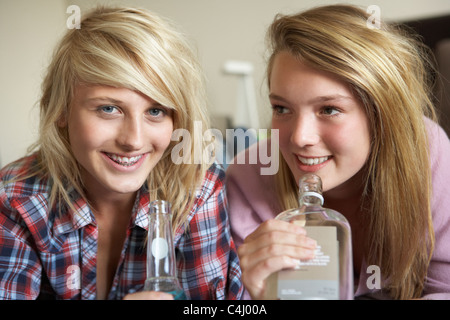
[351, 103]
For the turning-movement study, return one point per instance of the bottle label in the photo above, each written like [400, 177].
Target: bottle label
[317, 278]
[160, 248]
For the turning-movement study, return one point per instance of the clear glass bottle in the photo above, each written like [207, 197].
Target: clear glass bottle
[161, 264]
[329, 275]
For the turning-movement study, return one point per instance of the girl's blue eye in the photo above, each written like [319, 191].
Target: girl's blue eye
[158, 112]
[155, 112]
[108, 109]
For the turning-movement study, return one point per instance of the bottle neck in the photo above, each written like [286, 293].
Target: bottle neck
[160, 251]
[311, 198]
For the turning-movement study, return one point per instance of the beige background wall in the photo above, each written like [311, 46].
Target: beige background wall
[220, 29]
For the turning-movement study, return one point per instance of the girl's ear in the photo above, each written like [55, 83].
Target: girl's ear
[62, 121]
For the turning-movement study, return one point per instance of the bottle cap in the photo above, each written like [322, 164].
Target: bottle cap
[313, 194]
[311, 185]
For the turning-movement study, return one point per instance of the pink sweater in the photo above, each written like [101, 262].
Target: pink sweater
[252, 200]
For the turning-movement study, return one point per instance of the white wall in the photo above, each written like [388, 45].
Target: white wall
[220, 29]
[28, 33]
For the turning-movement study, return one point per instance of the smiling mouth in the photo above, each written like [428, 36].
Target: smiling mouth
[124, 161]
[312, 161]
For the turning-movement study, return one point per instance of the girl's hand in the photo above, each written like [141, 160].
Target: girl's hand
[148, 295]
[273, 246]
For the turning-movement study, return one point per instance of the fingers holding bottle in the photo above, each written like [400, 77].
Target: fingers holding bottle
[275, 245]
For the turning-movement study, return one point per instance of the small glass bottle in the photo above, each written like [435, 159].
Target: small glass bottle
[161, 266]
[329, 275]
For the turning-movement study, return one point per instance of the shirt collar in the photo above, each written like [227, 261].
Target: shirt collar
[70, 219]
[140, 209]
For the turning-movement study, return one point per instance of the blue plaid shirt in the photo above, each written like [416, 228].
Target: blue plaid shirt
[44, 254]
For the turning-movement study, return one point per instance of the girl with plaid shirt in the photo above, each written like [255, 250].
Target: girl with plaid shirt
[73, 213]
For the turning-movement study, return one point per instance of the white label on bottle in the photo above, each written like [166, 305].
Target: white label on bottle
[159, 248]
[317, 278]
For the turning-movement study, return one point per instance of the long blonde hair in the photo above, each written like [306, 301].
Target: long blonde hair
[135, 49]
[389, 70]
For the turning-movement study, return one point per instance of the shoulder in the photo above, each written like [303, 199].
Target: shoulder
[251, 190]
[439, 148]
[215, 172]
[213, 179]
[17, 168]
[254, 167]
[24, 202]
[18, 180]
[209, 196]
[439, 151]
[437, 139]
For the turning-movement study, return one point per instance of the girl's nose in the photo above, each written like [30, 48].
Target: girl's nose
[131, 134]
[306, 132]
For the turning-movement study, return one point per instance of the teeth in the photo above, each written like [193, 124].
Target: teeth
[312, 161]
[125, 161]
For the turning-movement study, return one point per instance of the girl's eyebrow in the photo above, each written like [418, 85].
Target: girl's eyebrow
[325, 98]
[103, 100]
[115, 101]
[277, 97]
[330, 98]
